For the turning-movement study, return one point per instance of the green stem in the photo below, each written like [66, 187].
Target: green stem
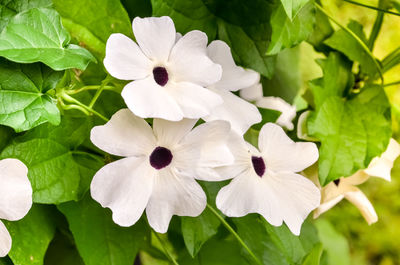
[363, 45]
[391, 60]
[167, 253]
[392, 84]
[85, 88]
[376, 28]
[230, 229]
[98, 92]
[372, 7]
[80, 104]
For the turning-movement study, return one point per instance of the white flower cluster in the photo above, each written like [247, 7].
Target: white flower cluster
[178, 80]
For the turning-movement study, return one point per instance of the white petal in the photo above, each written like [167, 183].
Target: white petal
[189, 61]
[233, 77]
[381, 166]
[146, 99]
[124, 60]
[242, 157]
[155, 36]
[125, 187]
[248, 193]
[204, 149]
[275, 103]
[124, 135]
[297, 197]
[252, 93]
[5, 241]
[15, 190]
[327, 206]
[238, 112]
[195, 101]
[281, 153]
[359, 199]
[170, 133]
[302, 127]
[174, 194]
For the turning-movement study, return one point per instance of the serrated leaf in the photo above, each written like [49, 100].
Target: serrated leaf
[37, 35]
[24, 103]
[287, 33]
[244, 26]
[31, 236]
[58, 170]
[292, 7]
[98, 239]
[351, 132]
[344, 42]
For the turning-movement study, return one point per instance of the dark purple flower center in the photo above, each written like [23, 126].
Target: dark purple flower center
[337, 182]
[258, 165]
[160, 157]
[160, 75]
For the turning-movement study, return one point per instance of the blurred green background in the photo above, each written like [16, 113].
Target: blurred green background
[378, 244]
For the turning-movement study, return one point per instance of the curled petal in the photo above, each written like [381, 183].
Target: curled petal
[359, 199]
[5, 240]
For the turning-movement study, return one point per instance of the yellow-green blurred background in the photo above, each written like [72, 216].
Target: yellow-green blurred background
[379, 243]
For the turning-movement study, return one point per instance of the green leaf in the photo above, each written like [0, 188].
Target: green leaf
[58, 170]
[244, 26]
[342, 41]
[24, 103]
[37, 35]
[287, 33]
[197, 230]
[352, 130]
[6, 133]
[98, 239]
[314, 257]
[62, 251]
[9, 8]
[92, 22]
[334, 243]
[286, 81]
[137, 8]
[322, 31]
[216, 252]
[292, 7]
[31, 236]
[275, 245]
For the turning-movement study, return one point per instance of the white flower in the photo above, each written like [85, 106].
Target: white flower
[240, 113]
[345, 188]
[265, 181]
[159, 169]
[275, 103]
[170, 72]
[15, 197]
[252, 93]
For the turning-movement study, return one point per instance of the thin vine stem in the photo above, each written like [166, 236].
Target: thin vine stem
[372, 7]
[86, 88]
[100, 90]
[230, 229]
[80, 104]
[167, 253]
[376, 28]
[363, 45]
